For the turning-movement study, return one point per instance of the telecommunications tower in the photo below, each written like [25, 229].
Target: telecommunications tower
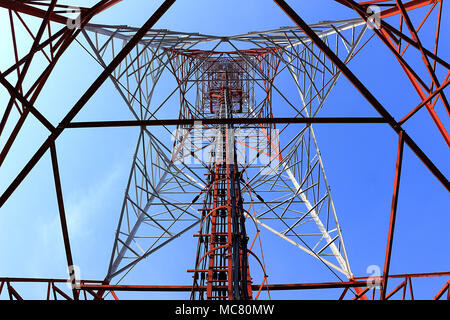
[231, 162]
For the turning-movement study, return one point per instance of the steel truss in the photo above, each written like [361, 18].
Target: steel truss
[170, 178]
[89, 288]
[297, 187]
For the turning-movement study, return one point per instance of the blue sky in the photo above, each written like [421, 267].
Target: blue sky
[359, 161]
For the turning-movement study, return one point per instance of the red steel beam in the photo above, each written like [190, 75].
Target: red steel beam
[353, 5]
[85, 98]
[410, 5]
[412, 275]
[390, 240]
[363, 90]
[445, 288]
[67, 36]
[43, 280]
[416, 38]
[27, 64]
[20, 6]
[62, 216]
[12, 292]
[209, 121]
[25, 8]
[385, 34]
[400, 286]
[189, 288]
[361, 294]
[91, 285]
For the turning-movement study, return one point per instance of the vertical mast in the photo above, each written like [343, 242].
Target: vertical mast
[222, 259]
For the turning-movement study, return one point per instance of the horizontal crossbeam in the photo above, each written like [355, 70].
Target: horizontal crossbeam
[168, 122]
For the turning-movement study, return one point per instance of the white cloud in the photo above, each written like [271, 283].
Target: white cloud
[83, 205]
[83, 208]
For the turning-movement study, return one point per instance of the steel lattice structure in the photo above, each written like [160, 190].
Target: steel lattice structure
[234, 165]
